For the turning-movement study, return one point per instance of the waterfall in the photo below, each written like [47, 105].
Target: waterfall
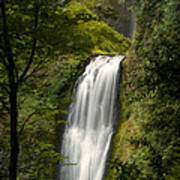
[91, 119]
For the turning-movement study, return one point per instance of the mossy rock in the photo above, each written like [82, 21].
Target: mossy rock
[83, 33]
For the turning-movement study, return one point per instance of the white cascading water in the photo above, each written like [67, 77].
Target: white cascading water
[91, 118]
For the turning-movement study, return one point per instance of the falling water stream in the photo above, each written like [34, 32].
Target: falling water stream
[91, 120]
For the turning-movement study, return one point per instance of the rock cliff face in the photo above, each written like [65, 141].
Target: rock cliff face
[147, 144]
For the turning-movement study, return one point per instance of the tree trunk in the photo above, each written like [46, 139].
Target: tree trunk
[13, 86]
[14, 136]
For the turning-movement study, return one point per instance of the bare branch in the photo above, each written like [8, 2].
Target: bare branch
[16, 72]
[21, 79]
[4, 61]
[25, 121]
[4, 86]
[7, 49]
[33, 71]
[4, 104]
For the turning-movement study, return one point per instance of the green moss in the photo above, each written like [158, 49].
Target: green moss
[121, 148]
[83, 32]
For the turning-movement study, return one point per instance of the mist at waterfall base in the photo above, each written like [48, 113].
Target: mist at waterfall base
[91, 119]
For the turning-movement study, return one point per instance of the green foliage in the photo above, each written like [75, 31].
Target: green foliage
[25, 55]
[156, 104]
[153, 93]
